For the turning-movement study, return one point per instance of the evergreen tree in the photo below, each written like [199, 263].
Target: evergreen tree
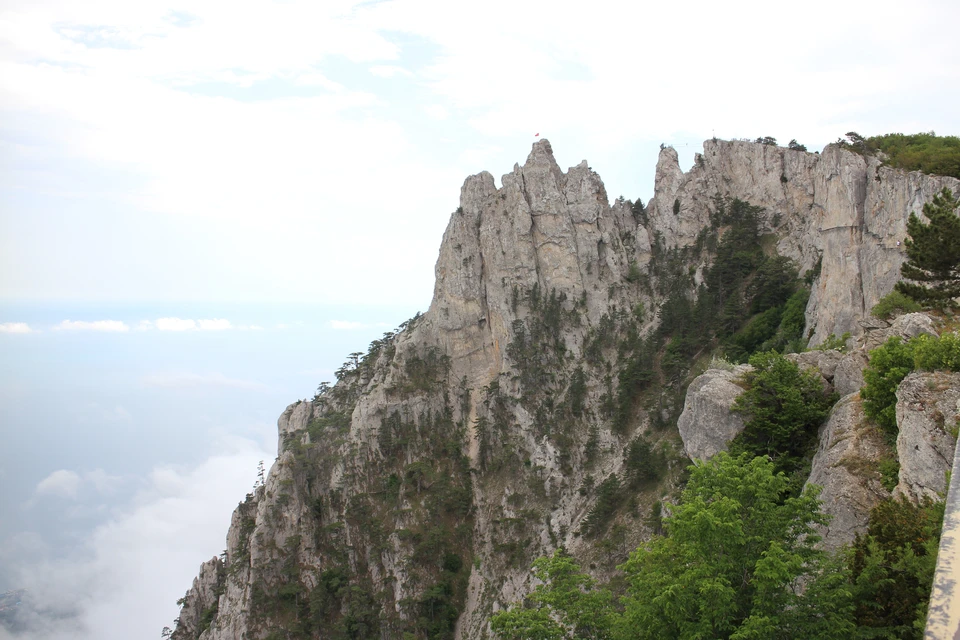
[933, 252]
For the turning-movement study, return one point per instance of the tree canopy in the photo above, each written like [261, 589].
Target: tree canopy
[926, 152]
[933, 252]
[729, 566]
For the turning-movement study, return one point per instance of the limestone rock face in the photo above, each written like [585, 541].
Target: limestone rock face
[848, 376]
[837, 209]
[707, 425]
[473, 439]
[928, 405]
[909, 325]
[846, 467]
[201, 601]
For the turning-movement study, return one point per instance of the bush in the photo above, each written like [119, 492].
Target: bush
[891, 362]
[894, 303]
[889, 365]
[925, 152]
[833, 342]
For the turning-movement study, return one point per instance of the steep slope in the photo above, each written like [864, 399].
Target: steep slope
[530, 406]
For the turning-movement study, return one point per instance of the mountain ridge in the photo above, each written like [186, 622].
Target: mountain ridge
[411, 497]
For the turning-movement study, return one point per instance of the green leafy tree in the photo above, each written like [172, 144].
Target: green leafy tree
[892, 361]
[729, 567]
[933, 252]
[567, 604]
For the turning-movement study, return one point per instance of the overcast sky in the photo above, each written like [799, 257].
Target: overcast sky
[216, 150]
[205, 206]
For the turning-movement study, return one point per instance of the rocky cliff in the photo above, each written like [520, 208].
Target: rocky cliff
[535, 403]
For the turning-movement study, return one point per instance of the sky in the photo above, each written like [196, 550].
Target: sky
[205, 206]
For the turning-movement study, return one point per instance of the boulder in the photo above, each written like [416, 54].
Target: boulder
[707, 424]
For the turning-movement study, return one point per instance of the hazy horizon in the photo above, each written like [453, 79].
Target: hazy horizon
[131, 434]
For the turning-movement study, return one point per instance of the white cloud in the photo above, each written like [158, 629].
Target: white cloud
[125, 578]
[65, 483]
[15, 327]
[110, 326]
[145, 325]
[191, 380]
[62, 483]
[217, 324]
[175, 324]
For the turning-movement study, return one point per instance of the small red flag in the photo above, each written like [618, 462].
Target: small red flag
[536, 135]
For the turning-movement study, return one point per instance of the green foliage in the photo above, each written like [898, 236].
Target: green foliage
[925, 152]
[783, 407]
[894, 303]
[892, 361]
[933, 252]
[736, 545]
[537, 348]
[423, 373]
[676, 207]
[936, 354]
[889, 365]
[567, 604]
[832, 342]
[642, 463]
[892, 568]
[796, 146]
[577, 391]
[889, 473]
[609, 497]
[767, 140]
[639, 213]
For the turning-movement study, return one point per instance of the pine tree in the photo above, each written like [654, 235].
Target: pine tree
[933, 252]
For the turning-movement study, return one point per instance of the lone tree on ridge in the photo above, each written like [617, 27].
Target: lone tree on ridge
[933, 252]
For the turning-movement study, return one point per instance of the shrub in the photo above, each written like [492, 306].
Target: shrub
[889, 365]
[894, 303]
[891, 362]
[833, 342]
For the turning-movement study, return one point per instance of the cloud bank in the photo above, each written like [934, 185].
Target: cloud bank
[125, 579]
[15, 327]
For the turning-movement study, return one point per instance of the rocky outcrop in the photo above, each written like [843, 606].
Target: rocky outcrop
[928, 406]
[201, 602]
[837, 213]
[848, 376]
[707, 424]
[822, 363]
[847, 468]
[474, 438]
